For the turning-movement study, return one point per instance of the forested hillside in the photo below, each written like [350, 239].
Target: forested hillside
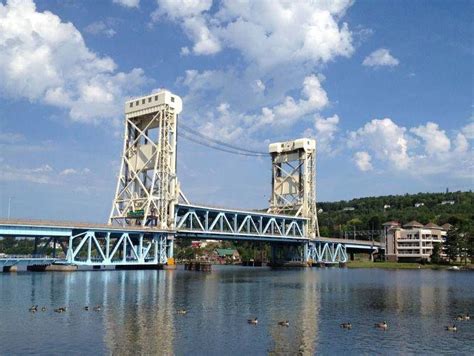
[371, 212]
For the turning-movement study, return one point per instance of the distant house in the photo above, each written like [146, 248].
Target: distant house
[227, 255]
[350, 208]
[417, 205]
[386, 206]
[448, 202]
[320, 211]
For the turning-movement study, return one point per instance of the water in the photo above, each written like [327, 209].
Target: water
[139, 316]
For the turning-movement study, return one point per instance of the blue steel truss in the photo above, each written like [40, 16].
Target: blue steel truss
[325, 252]
[113, 249]
[215, 223]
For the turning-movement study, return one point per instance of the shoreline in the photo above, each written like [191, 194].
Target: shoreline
[406, 265]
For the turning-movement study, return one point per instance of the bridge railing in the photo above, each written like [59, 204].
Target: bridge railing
[221, 222]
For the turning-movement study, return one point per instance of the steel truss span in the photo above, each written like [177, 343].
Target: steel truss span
[214, 223]
[115, 249]
[326, 252]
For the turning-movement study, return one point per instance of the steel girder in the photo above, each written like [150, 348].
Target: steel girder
[325, 252]
[125, 248]
[208, 222]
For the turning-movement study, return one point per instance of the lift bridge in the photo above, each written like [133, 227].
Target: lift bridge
[150, 210]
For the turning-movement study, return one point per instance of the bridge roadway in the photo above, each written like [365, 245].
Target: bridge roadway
[103, 244]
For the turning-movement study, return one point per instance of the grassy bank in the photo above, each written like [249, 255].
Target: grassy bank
[394, 265]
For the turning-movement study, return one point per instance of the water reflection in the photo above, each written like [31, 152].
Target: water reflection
[138, 314]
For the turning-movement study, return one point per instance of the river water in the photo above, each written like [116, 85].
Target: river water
[138, 312]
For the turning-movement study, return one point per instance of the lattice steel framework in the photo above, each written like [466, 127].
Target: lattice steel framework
[325, 252]
[220, 223]
[113, 249]
[294, 181]
[147, 188]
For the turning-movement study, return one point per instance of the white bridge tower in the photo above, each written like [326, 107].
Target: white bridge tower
[147, 187]
[294, 181]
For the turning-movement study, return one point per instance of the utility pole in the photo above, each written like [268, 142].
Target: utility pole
[9, 207]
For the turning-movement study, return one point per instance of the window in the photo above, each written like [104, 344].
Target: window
[172, 99]
[156, 97]
[138, 102]
[149, 100]
[131, 104]
[143, 101]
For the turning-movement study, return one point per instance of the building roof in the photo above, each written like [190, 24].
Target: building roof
[413, 223]
[431, 225]
[391, 223]
[447, 226]
[222, 252]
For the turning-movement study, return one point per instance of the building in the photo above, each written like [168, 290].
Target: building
[417, 205]
[412, 241]
[227, 255]
[448, 202]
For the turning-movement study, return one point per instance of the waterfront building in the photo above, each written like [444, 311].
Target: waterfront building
[412, 241]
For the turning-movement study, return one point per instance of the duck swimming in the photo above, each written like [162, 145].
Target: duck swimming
[33, 309]
[346, 325]
[97, 307]
[284, 323]
[451, 328]
[43, 309]
[60, 310]
[382, 325]
[463, 317]
[181, 311]
[86, 308]
[253, 321]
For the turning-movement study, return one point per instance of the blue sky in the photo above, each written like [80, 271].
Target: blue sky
[385, 87]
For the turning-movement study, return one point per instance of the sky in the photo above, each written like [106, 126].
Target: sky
[385, 88]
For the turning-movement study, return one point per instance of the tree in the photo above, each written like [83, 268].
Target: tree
[436, 253]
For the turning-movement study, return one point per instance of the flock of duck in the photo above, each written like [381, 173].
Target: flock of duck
[383, 325]
[35, 308]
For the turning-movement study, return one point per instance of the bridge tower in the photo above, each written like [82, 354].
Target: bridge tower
[147, 188]
[294, 181]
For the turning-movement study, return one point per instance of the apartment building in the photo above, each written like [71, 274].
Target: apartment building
[412, 241]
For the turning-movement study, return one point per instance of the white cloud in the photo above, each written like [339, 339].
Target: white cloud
[396, 147]
[127, 3]
[435, 140]
[46, 60]
[9, 137]
[380, 57]
[41, 174]
[282, 32]
[189, 14]
[362, 160]
[68, 172]
[385, 139]
[468, 131]
[325, 130]
[100, 28]
[461, 145]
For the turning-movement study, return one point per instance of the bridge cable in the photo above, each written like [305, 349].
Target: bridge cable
[216, 147]
[218, 142]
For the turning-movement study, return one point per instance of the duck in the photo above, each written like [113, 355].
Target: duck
[346, 325]
[451, 328]
[60, 310]
[382, 325]
[86, 308]
[33, 309]
[253, 321]
[284, 323]
[463, 317]
[43, 309]
[181, 311]
[97, 307]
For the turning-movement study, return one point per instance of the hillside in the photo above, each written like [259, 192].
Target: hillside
[369, 213]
